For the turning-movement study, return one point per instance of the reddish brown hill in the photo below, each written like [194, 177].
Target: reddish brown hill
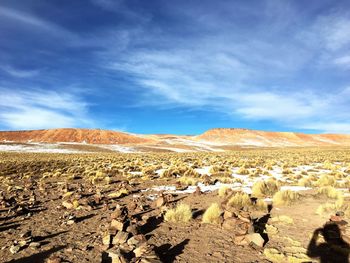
[263, 138]
[72, 135]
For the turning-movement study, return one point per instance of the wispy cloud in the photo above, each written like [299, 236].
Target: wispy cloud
[343, 61]
[38, 109]
[20, 73]
[26, 19]
[237, 78]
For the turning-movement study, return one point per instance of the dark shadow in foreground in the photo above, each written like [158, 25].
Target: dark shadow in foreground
[167, 254]
[39, 257]
[333, 250]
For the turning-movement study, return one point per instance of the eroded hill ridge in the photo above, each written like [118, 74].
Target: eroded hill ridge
[211, 138]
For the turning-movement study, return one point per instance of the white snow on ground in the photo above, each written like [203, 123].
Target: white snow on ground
[118, 148]
[294, 188]
[35, 148]
[326, 140]
[160, 171]
[248, 142]
[247, 181]
[135, 173]
[199, 145]
[203, 170]
[174, 149]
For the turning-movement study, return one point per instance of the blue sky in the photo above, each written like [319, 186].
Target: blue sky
[175, 66]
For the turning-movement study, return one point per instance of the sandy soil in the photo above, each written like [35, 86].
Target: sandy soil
[47, 177]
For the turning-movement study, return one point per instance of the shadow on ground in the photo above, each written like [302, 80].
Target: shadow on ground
[167, 253]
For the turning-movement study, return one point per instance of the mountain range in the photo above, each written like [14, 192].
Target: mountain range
[218, 139]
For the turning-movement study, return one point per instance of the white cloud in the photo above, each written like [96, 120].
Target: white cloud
[328, 127]
[20, 73]
[343, 61]
[38, 109]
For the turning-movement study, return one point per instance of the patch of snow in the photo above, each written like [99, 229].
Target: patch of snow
[252, 142]
[203, 170]
[35, 148]
[118, 148]
[295, 188]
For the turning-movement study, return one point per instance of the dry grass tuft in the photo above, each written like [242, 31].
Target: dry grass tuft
[243, 171]
[326, 180]
[330, 192]
[212, 214]
[286, 197]
[240, 200]
[274, 255]
[182, 213]
[223, 190]
[187, 180]
[305, 181]
[260, 205]
[265, 188]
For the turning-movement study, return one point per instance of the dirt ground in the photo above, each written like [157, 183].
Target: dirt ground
[54, 233]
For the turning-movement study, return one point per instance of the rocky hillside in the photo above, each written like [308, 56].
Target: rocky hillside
[263, 138]
[90, 136]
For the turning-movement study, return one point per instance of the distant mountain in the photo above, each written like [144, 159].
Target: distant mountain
[214, 140]
[271, 139]
[90, 136]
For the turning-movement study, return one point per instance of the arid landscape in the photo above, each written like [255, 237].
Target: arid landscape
[200, 131]
[217, 201]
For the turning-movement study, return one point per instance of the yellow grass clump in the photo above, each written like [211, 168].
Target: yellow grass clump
[260, 205]
[212, 214]
[265, 188]
[181, 213]
[191, 172]
[223, 190]
[242, 171]
[286, 197]
[274, 255]
[330, 192]
[305, 181]
[187, 180]
[240, 200]
[326, 180]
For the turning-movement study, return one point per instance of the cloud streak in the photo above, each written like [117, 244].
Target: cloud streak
[38, 109]
[236, 78]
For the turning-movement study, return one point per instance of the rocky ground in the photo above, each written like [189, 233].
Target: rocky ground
[110, 207]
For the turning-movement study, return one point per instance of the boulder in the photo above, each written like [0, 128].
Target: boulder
[256, 239]
[120, 238]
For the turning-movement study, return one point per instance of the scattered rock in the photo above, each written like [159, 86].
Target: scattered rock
[256, 239]
[120, 238]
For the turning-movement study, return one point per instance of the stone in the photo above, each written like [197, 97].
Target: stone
[142, 249]
[67, 205]
[256, 239]
[117, 224]
[34, 245]
[160, 201]
[106, 239]
[116, 255]
[54, 259]
[198, 191]
[336, 218]
[228, 214]
[132, 229]
[136, 240]
[120, 238]
[26, 234]
[339, 213]
[240, 240]
[15, 248]
[229, 223]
